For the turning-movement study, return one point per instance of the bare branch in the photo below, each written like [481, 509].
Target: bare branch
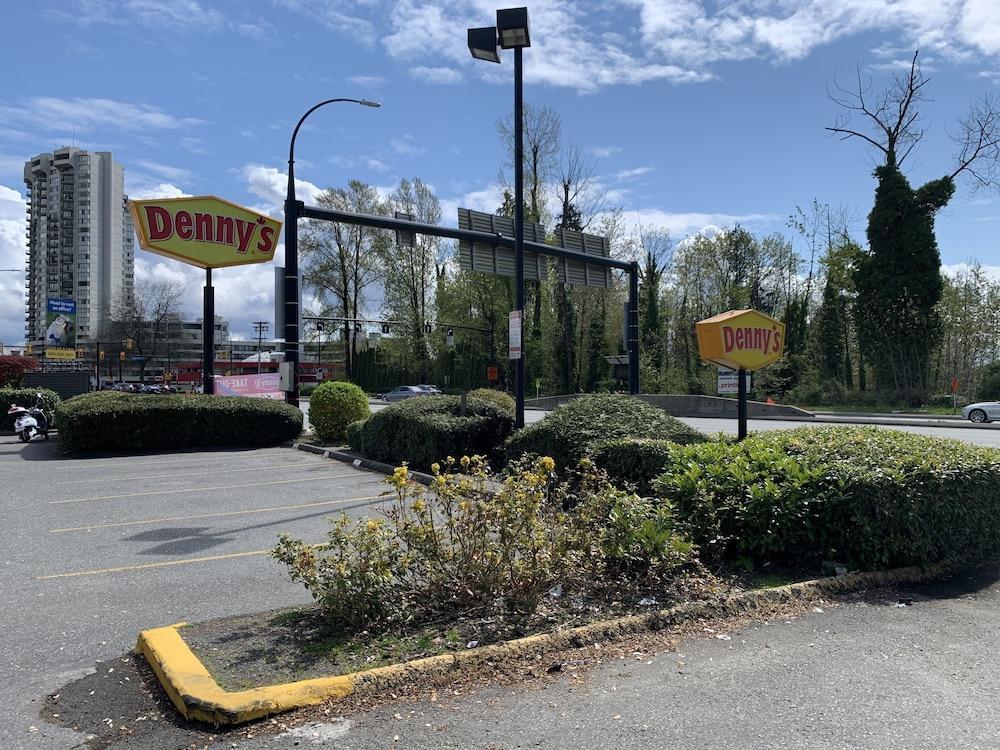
[978, 143]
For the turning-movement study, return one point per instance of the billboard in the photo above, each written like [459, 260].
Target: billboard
[746, 339]
[205, 231]
[60, 323]
[263, 385]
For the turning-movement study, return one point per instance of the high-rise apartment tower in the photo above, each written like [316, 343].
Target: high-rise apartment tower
[79, 239]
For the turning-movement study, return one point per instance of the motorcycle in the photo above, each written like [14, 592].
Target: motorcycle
[29, 423]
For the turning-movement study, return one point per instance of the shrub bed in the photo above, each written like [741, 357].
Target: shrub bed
[111, 421]
[24, 397]
[864, 497]
[634, 461]
[461, 548]
[572, 431]
[424, 429]
[334, 405]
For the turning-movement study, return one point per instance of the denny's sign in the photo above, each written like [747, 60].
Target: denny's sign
[205, 231]
[741, 339]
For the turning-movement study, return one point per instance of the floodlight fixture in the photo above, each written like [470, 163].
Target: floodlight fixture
[370, 103]
[483, 43]
[512, 24]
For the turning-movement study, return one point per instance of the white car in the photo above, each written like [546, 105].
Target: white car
[984, 411]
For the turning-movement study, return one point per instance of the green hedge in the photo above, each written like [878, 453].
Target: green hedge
[127, 422]
[427, 429]
[498, 398]
[354, 433]
[333, 406]
[24, 397]
[865, 497]
[574, 430]
[635, 461]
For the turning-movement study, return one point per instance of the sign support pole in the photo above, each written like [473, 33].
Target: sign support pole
[741, 391]
[208, 334]
[632, 327]
[519, 234]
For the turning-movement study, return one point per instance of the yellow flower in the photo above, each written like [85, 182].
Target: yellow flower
[548, 464]
[465, 462]
[463, 505]
[374, 524]
[436, 468]
[418, 505]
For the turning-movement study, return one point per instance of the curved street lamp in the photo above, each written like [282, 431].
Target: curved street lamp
[511, 32]
[292, 209]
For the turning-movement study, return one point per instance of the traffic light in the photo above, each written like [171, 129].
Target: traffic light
[128, 343]
[121, 356]
[427, 328]
[100, 355]
[79, 352]
[385, 328]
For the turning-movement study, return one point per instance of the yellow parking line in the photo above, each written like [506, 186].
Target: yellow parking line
[147, 566]
[201, 489]
[193, 473]
[275, 509]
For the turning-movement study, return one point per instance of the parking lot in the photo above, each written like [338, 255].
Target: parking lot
[98, 549]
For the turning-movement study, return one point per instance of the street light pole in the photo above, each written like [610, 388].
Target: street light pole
[293, 209]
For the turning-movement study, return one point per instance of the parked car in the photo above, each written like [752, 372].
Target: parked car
[150, 388]
[403, 392]
[984, 411]
[431, 389]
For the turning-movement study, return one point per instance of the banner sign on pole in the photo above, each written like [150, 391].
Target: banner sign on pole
[514, 335]
[728, 383]
[264, 385]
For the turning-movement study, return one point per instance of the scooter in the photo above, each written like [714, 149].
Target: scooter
[30, 422]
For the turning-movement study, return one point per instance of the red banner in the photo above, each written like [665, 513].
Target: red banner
[264, 385]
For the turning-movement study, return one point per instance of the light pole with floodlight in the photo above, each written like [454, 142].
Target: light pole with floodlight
[511, 32]
[292, 212]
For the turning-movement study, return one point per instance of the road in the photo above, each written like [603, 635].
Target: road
[98, 549]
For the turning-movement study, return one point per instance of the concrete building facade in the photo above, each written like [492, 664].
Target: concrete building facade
[80, 239]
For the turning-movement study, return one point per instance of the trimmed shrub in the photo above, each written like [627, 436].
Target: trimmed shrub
[425, 429]
[634, 461]
[493, 396]
[125, 422]
[865, 497]
[25, 397]
[334, 405]
[354, 432]
[572, 431]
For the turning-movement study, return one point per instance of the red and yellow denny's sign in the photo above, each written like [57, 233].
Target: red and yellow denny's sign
[741, 338]
[205, 231]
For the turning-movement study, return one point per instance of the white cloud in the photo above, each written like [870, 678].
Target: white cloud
[176, 15]
[367, 81]
[488, 199]
[358, 161]
[681, 225]
[405, 146]
[162, 190]
[12, 247]
[165, 170]
[439, 75]
[955, 269]
[603, 152]
[631, 174]
[344, 16]
[270, 185]
[52, 114]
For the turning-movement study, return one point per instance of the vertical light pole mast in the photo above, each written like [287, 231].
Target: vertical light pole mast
[293, 209]
[511, 32]
[259, 327]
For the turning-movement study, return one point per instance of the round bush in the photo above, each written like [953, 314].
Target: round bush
[334, 405]
[572, 431]
[864, 497]
[127, 422]
[634, 461]
[354, 432]
[495, 397]
[427, 429]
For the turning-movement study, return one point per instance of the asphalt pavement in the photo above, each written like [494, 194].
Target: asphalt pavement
[98, 549]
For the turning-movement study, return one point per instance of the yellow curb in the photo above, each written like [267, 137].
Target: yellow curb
[197, 695]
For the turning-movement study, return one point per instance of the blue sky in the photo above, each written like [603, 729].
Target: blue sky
[698, 113]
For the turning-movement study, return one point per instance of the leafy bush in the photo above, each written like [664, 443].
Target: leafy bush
[110, 421]
[354, 432]
[495, 397]
[25, 397]
[334, 405]
[460, 547]
[574, 430]
[12, 369]
[422, 430]
[306, 389]
[989, 386]
[866, 497]
[635, 461]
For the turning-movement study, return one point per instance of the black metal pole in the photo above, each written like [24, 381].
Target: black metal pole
[633, 329]
[208, 335]
[741, 407]
[519, 233]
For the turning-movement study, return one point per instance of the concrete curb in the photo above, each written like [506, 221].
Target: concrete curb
[824, 420]
[196, 694]
[360, 462]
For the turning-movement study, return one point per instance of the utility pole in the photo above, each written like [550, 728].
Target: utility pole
[259, 327]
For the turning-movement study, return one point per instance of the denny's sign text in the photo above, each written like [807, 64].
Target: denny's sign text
[205, 231]
[746, 339]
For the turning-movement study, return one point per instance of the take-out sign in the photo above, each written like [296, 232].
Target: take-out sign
[205, 231]
[746, 339]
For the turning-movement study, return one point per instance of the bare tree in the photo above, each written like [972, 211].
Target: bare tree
[978, 143]
[580, 196]
[542, 137]
[342, 260]
[143, 320]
